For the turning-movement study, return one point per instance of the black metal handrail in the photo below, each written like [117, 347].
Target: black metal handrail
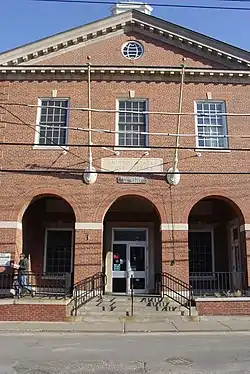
[177, 290]
[86, 290]
[217, 283]
[39, 284]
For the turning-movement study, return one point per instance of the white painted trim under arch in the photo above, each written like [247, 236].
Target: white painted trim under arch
[245, 227]
[89, 226]
[174, 227]
[11, 225]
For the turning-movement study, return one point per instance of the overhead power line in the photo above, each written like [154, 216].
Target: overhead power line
[117, 173]
[125, 148]
[163, 113]
[162, 5]
[246, 136]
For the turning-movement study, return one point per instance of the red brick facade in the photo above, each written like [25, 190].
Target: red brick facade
[223, 308]
[33, 312]
[90, 203]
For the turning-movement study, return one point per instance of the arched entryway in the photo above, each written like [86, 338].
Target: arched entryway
[48, 235]
[217, 255]
[132, 245]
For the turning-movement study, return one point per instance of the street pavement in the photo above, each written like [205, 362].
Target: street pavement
[171, 325]
[45, 353]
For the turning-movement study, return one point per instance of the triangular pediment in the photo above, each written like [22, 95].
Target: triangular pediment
[71, 47]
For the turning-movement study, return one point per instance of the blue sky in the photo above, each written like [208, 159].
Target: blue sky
[24, 21]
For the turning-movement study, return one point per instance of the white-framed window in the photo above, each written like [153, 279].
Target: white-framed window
[201, 252]
[211, 125]
[52, 122]
[131, 122]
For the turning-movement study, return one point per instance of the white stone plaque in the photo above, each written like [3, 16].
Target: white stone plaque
[5, 259]
[143, 165]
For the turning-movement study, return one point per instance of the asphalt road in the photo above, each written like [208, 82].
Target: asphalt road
[103, 354]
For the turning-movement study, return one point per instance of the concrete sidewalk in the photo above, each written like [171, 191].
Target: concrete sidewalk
[209, 324]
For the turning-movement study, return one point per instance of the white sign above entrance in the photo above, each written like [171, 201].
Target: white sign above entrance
[5, 259]
[144, 165]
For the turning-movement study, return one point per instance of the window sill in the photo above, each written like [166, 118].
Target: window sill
[219, 150]
[132, 149]
[51, 147]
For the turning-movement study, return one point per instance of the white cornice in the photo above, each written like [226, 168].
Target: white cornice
[65, 72]
[53, 45]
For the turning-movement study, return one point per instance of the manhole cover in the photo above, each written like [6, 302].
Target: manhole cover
[178, 361]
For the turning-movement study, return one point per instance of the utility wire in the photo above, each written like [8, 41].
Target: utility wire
[153, 4]
[86, 109]
[70, 171]
[127, 147]
[37, 131]
[138, 112]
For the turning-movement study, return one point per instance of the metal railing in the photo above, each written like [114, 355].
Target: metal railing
[40, 284]
[217, 283]
[87, 289]
[175, 289]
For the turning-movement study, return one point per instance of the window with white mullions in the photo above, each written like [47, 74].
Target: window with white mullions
[52, 122]
[211, 124]
[132, 122]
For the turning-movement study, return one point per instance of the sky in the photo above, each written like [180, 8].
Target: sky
[25, 21]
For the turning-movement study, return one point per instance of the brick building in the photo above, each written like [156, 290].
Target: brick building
[132, 219]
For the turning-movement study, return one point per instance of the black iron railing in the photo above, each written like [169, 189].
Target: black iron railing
[87, 289]
[39, 284]
[217, 283]
[175, 289]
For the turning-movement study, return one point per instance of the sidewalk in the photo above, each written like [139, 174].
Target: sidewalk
[208, 324]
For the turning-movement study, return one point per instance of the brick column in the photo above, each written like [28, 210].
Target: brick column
[175, 259]
[88, 250]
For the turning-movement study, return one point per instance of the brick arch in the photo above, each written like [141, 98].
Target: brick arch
[215, 193]
[111, 198]
[24, 201]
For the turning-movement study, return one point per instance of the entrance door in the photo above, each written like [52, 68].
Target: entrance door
[137, 267]
[129, 265]
[236, 257]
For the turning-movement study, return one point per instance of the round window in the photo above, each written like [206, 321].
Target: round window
[132, 50]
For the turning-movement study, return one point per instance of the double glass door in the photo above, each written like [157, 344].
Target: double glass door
[129, 265]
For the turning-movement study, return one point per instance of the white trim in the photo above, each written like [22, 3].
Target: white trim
[38, 116]
[174, 227]
[224, 119]
[89, 226]
[135, 99]
[228, 299]
[51, 147]
[10, 225]
[45, 246]
[219, 150]
[245, 227]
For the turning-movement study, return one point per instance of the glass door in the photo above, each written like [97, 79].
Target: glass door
[119, 268]
[137, 267]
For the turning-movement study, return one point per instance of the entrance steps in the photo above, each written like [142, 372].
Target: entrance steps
[146, 308]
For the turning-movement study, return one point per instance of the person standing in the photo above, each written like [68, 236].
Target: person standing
[23, 270]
